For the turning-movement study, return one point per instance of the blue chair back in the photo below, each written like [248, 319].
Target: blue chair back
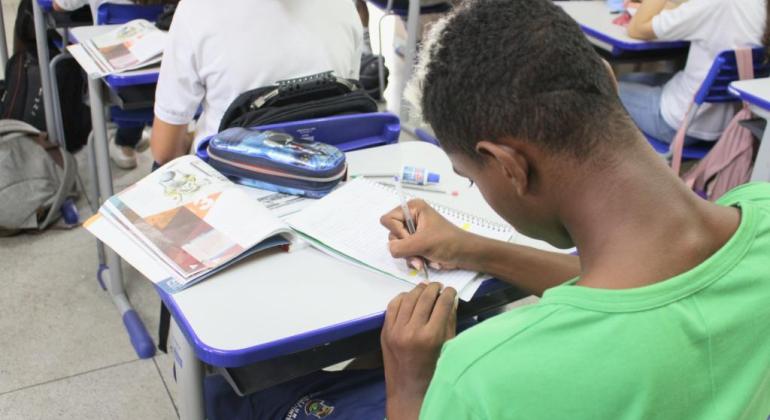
[724, 71]
[116, 14]
[347, 132]
[714, 89]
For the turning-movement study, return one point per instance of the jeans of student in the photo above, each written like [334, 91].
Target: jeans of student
[128, 136]
[343, 395]
[640, 94]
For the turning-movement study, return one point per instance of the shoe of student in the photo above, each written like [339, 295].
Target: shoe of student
[124, 157]
[144, 142]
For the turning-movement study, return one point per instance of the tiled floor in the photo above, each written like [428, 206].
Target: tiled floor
[64, 352]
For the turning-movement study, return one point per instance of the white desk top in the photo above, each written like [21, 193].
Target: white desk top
[595, 19]
[755, 92]
[283, 295]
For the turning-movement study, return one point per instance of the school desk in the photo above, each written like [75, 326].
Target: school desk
[757, 94]
[102, 92]
[595, 20]
[283, 315]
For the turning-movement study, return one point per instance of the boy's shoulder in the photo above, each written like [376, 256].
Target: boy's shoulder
[487, 339]
[753, 192]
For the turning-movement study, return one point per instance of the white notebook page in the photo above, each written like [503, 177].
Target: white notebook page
[348, 221]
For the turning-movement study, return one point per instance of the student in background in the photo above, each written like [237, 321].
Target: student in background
[70, 5]
[217, 51]
[124, 142]
[658, 102]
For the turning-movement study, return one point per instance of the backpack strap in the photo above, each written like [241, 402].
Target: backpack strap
[745, 60]
[677, 146]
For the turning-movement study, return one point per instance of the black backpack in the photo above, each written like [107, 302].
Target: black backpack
[369, 75]
[316, 96]
[22, 97]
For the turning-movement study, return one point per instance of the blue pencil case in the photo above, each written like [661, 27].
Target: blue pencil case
[276, 161]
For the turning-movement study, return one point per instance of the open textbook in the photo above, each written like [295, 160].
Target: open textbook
[190, 221]
[186, 221]
[130, 46]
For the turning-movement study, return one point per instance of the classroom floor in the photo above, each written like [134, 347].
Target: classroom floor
[64, 352]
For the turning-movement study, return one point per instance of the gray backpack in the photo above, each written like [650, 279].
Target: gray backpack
[36, 178]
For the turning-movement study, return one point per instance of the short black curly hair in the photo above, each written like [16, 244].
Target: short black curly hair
[516, 68]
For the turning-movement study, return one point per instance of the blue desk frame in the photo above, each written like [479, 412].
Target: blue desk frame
[595, 20]
[301, 342]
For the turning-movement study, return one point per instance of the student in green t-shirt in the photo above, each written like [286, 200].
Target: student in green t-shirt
[666, 313]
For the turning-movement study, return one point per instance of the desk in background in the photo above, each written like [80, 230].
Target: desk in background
[757, 94]
[101, 92]
[595, 20]
[283, 315]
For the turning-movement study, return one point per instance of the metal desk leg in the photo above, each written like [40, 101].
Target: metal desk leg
[189, 377]
[112, 277]
[3, 42]
[45, 72]
[412, 27]
[94, 200]
[762, 163]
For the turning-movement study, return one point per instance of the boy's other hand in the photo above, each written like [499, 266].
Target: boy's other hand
[417, 324]
[435, 238]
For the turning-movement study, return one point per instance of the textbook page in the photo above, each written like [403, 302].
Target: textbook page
[192, 220]
[347, 221]
[133, 45]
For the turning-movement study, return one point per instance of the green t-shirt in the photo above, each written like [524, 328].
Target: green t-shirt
[696, 346]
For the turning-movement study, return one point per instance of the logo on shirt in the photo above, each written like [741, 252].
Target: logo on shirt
[318, 408]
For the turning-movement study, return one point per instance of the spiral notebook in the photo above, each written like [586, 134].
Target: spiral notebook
[346, 223]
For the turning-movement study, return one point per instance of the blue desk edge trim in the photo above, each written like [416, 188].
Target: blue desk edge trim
[116, 81]
[752, 99]
[287, 345]
[634, 46]
[45, 5]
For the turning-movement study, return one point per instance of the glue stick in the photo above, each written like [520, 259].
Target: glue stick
[418, 176]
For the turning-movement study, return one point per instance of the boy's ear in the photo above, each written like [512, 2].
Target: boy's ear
[611, 74]
[514, 166]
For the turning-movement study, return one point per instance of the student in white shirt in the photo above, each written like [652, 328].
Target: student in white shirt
[124, 142]
[658, 103]
[70, 5]
[218, 50]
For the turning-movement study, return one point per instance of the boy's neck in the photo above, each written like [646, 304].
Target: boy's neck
[639, 224]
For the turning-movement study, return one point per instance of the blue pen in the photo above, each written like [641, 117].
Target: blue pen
[410, 226]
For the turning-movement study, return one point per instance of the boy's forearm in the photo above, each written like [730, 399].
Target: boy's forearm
[525, 267]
